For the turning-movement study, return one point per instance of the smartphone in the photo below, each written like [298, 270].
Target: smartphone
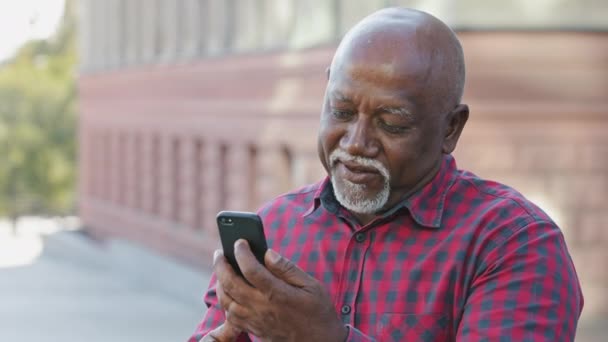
[234, 225]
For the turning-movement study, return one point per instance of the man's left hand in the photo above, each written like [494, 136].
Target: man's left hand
[281, 301]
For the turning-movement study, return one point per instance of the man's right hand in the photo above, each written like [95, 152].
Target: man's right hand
[224, 333]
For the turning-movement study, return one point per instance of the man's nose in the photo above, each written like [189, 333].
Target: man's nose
[360, 140]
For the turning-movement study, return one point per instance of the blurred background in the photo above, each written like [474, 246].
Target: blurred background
[126, 125]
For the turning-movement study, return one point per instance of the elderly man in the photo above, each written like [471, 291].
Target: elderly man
[397, 244]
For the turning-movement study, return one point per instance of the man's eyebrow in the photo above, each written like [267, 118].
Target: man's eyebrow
[340, 97]
[406, 114]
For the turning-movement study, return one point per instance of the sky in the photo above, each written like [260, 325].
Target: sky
[22, 20]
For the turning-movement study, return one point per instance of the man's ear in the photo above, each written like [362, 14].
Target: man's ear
[456, 120]
[327, 72]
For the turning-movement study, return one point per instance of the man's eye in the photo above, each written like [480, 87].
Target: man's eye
[341, 114]
[392, 129]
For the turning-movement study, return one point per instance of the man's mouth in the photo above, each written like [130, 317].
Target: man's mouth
[356, 173]
[358, 168]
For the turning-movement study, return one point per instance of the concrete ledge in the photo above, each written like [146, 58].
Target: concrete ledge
[171, 277]
[130, 261]
[77, 248]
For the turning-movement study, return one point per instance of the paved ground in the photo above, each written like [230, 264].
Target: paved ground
[57, 285]
[69, 292]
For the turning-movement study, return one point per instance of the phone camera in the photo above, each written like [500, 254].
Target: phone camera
[226, 220]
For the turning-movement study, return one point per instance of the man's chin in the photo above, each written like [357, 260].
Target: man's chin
[355, 191]
[359, 198]
[370, 185]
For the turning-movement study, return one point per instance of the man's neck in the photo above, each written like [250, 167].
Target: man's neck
[364, 219]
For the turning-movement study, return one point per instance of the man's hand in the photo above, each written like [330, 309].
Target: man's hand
[281, 302]
[224, 333]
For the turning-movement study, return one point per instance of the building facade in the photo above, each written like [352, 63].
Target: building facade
[188, 107]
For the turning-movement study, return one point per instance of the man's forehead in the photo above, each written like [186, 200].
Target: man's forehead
[393, 44]
[381, 78]
[394, 74]
[388, 58]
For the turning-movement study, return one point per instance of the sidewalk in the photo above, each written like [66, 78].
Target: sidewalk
[60, 286]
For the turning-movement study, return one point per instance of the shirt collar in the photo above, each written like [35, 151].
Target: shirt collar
[425, 205]
[317, 197]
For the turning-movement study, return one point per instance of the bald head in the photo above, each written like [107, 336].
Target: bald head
[405, 45]
[392, 101]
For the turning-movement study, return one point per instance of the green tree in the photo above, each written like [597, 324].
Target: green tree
[37, 125]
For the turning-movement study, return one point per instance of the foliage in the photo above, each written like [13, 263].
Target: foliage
[37, 125]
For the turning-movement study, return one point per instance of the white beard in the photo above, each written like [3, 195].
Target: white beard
[356, 197]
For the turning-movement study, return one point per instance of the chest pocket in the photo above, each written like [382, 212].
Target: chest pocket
[431, 327]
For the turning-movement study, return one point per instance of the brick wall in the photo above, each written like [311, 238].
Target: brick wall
[164, 148]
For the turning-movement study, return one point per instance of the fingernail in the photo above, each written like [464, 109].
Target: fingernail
[239, 242]
[273, 256]
[216, 255]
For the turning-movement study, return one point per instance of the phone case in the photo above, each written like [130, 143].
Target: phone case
[234, 225]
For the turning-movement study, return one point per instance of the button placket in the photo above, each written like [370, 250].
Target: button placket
[360, 237]
[345, 310]
[358, 246]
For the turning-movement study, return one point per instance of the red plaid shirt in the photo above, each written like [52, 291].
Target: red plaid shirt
[462, 259]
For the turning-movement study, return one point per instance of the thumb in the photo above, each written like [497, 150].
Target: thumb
[285, 269]
[224, 333]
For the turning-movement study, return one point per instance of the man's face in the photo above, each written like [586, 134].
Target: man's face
[378, 137]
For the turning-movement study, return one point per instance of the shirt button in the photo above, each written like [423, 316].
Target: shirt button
[360, 237]
[345, 309]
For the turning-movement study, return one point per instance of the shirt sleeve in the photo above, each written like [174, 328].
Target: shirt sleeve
[526, 289]
[214, 317]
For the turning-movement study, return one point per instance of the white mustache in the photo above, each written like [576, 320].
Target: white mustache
[340, 155]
